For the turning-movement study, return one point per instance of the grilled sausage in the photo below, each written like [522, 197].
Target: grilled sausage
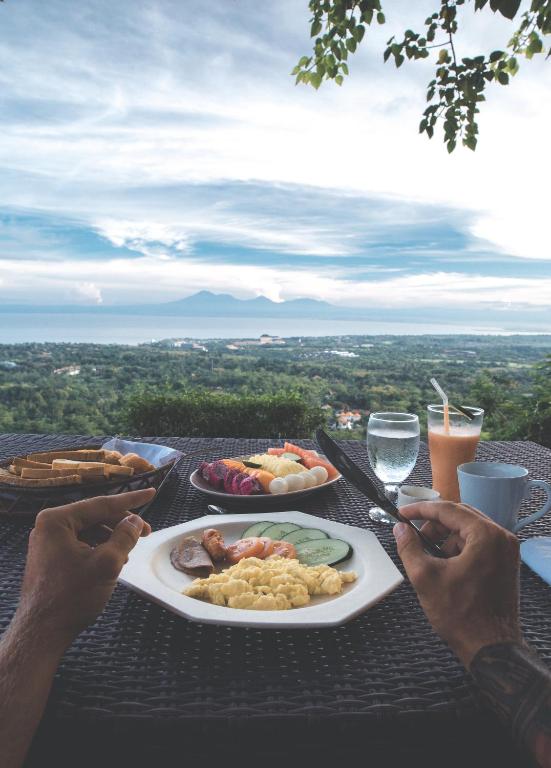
[213, 542]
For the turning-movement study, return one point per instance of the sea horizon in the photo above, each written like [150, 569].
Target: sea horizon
[135, 329]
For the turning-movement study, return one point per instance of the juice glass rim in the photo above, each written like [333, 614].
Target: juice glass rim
[473, 410]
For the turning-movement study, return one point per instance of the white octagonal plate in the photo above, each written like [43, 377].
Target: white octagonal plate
[150, 573]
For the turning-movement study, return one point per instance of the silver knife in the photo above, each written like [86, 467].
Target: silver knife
[363, 483]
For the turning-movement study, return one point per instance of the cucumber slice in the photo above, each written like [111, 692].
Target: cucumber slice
[252, 464]
[278, 530]
[323, 552]
[305, 534]
[256, 529]
[291, 456]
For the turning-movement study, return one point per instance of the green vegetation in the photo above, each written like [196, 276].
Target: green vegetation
[199, 413]
[179, 390]
[457, 90]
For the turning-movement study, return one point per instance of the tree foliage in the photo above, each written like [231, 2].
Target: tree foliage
[199, 413]
[455, 93]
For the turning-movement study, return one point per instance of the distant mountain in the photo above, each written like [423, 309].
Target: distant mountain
[202, 304]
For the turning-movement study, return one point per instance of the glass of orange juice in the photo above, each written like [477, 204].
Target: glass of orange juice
[453, 439]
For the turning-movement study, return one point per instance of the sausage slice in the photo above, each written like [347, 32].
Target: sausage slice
[189, 556]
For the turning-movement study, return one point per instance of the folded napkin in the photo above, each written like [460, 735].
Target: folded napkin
[536, 553]
[158, 455]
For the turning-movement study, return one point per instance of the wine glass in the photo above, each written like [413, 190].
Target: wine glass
[392, 447]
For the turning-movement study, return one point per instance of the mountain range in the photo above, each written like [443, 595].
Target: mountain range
[223, 305]
[201, 304]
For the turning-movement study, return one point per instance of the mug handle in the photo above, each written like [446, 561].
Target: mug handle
[546, 507]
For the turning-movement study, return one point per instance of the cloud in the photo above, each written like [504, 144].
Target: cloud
[89, 291]
[152, 280]
[171, 136]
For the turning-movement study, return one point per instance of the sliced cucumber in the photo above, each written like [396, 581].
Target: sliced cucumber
[323, 552]
[278, 530]
[305, 534]
[291, 456]
[256, 529]
[252, 464]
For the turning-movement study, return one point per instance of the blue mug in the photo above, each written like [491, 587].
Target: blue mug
[498, 489]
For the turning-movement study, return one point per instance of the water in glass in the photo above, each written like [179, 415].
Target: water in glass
[392, 446]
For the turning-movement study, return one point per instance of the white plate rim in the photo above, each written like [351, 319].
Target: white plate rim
[347, 606]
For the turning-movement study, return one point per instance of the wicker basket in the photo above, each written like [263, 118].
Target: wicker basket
[18, 500]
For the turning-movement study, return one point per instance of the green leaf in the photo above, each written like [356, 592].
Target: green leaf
[381, 17]
[351, 44]
[315, 79]
[496, 56]
[451, 146]
[507, 8]
[339, 79]
[399, 60]
[503, 78]
[304, 61]
[315, 28]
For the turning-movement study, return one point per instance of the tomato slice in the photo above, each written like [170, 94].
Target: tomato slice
[251, 547]
[268, 547]
[284, 549]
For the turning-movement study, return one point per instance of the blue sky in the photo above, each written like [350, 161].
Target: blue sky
[153, 149]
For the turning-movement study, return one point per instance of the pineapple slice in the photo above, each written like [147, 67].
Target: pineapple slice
[277, 465]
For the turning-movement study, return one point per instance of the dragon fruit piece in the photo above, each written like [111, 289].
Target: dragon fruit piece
[249, 486]
[228, 480]
[236, 482]
[214, 473]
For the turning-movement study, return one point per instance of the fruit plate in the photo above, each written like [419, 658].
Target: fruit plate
[257, 499]
[149, 573]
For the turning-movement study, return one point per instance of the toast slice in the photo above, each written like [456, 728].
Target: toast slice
[90, 474]
[114, 470]
[81, 455]
[19, 463]
[42, 474]
[27, 482]
[71, 464]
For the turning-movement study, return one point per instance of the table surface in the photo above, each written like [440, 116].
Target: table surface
[140, 666]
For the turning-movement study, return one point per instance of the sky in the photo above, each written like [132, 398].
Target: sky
[153, 149]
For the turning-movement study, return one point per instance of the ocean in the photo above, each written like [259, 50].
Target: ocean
[121, 329]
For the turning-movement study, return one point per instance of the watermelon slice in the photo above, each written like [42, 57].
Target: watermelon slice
[302, 452]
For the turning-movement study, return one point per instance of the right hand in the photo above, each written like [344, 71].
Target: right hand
[471, 598]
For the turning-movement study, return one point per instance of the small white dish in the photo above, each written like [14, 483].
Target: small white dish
[150, 573]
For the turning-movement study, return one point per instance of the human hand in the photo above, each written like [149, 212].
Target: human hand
[67, 582]
[471, 598]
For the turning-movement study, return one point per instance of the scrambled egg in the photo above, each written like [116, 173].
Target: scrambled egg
[275, 584]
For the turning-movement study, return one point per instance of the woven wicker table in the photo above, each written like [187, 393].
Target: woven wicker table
[142, 682]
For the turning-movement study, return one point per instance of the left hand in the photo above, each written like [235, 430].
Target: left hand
[67, 582]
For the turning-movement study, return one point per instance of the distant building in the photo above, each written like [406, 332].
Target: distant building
[8, 365]
[267, 339]
[67, 370]
[232, 347]
[341, 353]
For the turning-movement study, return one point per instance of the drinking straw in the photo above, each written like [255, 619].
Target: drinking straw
[444, 397]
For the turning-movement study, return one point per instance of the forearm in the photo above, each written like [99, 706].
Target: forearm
[518, 687]
[28, 662]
